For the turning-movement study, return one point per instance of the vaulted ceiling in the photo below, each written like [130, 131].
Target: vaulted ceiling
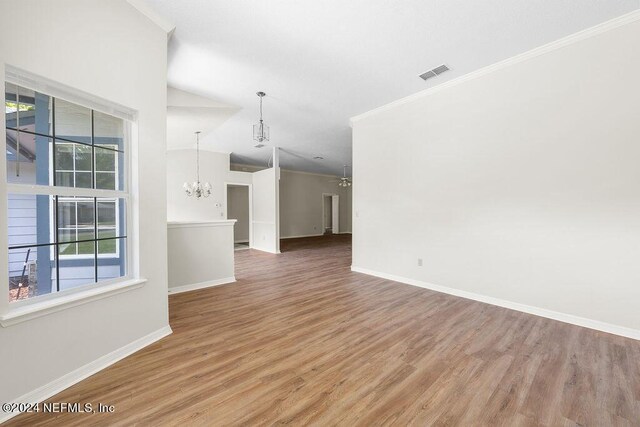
[322, 62]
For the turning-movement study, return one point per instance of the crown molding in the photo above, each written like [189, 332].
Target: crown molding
[145, 8]
[538, 51]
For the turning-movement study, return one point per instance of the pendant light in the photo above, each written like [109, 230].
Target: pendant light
[196, 188]
[260, 130]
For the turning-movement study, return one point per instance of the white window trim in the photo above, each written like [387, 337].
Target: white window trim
[64, 191]
[44, 85]
[63, 300]
[23, 310]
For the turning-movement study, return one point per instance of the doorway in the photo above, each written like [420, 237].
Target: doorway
[239, 208]
[330, 213]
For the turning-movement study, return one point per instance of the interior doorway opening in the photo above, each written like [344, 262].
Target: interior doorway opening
[239, 208]
[330, 213]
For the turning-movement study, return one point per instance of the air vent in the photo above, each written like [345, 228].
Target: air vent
[434, 72]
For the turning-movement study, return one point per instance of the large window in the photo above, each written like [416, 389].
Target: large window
[67, 193]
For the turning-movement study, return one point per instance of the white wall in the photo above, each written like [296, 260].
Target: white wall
[265, 211]
[238, 208]
[214, 168]
[301, 203]
[200, 254]
[521, 184]
[107, 49]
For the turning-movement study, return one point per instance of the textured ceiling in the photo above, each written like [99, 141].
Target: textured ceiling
[321, 62]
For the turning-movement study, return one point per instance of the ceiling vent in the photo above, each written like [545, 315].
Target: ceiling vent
[434, 72]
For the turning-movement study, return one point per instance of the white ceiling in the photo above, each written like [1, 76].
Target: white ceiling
[322, 62]
[187, 113]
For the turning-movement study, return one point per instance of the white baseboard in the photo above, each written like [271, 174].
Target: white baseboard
[300, 236]
[543, 312]
[201, 285]
[268, 251]
[311, 235]
[56, 386]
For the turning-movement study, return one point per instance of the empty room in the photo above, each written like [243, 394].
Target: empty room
[383, 212]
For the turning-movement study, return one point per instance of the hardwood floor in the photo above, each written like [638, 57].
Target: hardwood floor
[300, 339]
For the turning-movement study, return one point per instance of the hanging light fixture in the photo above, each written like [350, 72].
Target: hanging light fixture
[196, 188]
[344, 181]
[260, 131]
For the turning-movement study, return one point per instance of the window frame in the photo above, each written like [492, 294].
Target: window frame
[91, 290]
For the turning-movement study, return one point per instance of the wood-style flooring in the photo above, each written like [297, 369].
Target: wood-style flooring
[301, 340]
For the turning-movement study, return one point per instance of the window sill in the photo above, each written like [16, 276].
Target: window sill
[43, 308]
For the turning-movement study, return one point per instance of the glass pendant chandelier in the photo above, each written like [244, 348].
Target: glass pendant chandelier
[196, 188]
[344, 181]
[260, 131]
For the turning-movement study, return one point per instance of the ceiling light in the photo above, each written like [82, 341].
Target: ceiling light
[196, 188]
[260, 131]
[344, 181]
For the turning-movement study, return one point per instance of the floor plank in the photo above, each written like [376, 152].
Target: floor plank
[302, 340]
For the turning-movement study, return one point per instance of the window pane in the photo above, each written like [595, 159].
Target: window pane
[85, 213]
[106, 213]
[67, 214]
[64, 156]
[111, 252]
[105, 181]
[73, 122]
[65, 179]
[27, 109]
[76, 232]
[105, 160]
[111, 217]
[83, 180]
[77, 271]
[27, 158]
[67, 249]
[106, 233]
[108, 247]
[83, 158]
[108, 130]
[109, 169]
[10, 104]
[73, 165]
[68, 235]
[29, 224]
[111, 266]
[29, 220]
[30, 272]
[75, 221]
[85, 246]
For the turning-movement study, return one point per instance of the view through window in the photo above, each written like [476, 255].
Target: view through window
[67, 195]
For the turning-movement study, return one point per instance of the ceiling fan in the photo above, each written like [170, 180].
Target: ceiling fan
[344, 181]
